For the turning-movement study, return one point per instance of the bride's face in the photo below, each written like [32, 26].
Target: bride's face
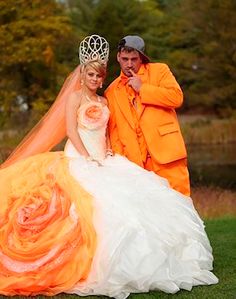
[92, 79]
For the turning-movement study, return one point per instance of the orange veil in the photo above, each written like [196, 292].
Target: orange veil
[51, 129]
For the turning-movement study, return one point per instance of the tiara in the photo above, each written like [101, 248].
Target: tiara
[93, 47]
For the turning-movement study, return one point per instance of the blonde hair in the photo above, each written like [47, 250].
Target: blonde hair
[97, 66]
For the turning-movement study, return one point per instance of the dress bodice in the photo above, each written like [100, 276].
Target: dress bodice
[92, 118]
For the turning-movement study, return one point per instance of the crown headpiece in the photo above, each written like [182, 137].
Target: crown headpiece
[93, 47]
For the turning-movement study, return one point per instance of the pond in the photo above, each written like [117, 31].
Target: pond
[213, 165]
[209, 165]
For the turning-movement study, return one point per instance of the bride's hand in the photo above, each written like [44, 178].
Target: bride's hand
[109, 152]
[99, 163]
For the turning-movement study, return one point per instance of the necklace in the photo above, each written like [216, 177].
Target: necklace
[90, 100]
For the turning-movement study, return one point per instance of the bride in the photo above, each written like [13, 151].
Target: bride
[86, 221]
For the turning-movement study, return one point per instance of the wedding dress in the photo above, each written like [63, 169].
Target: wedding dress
[149, 236]
[120, 229]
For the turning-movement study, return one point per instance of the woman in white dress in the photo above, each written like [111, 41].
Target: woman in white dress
[135, 233]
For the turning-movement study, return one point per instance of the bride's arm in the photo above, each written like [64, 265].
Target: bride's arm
[72, 106]
[109, 151]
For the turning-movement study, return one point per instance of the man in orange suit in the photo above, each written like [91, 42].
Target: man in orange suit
[143, 125]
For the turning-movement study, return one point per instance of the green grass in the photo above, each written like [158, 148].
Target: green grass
[222, 234]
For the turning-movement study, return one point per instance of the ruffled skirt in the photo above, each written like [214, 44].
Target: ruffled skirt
[69, 225]
[149, 236]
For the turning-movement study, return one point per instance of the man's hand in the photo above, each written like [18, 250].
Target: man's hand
[135, 81]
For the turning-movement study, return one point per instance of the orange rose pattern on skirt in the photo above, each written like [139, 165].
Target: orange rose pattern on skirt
[45, 224]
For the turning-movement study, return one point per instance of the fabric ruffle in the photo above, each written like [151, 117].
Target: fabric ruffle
[93, 115]
[47, 238]
[150, 237]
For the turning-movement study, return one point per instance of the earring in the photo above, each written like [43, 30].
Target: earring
[101, 85]
[81, 82]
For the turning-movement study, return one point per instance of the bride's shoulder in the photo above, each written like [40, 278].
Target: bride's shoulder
[73, 101]
[76, 94]
[75, 97]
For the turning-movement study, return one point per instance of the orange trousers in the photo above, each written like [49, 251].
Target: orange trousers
[175, 172]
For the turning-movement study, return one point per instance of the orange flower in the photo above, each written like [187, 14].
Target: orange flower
[93, 112]
[93, 115]
[47, 240]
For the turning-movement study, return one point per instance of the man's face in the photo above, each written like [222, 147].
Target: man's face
[129, 61]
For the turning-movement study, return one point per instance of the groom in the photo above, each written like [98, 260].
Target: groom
[143, 124]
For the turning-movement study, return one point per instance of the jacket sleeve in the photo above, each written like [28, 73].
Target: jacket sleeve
[116, 145]
[166, 92]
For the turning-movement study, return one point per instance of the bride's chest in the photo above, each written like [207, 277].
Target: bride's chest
[92, 115]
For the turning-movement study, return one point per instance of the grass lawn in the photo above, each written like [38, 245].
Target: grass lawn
[222, 234]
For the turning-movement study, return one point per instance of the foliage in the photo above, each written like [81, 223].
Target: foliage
[200, 44]
[39, 43]
[196, 39]
[33, 38]
[214, 202]
[81, 14]
[209, 131]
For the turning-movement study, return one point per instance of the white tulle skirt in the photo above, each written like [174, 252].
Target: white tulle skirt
[149, 236]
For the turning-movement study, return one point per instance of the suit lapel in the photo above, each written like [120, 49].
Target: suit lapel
[141, 109]
[143, 73]
[123, 100]
[123, 103]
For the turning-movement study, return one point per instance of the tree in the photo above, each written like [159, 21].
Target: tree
[200, 36]
[81, 14]
[33, 37]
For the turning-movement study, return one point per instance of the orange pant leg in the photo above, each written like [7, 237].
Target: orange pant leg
[175, 172]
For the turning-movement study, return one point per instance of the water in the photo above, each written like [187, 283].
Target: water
[213, 165]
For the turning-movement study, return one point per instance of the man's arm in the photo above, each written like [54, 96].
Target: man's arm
[167, 93]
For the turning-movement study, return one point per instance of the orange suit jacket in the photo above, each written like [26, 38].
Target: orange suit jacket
[160, 94]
